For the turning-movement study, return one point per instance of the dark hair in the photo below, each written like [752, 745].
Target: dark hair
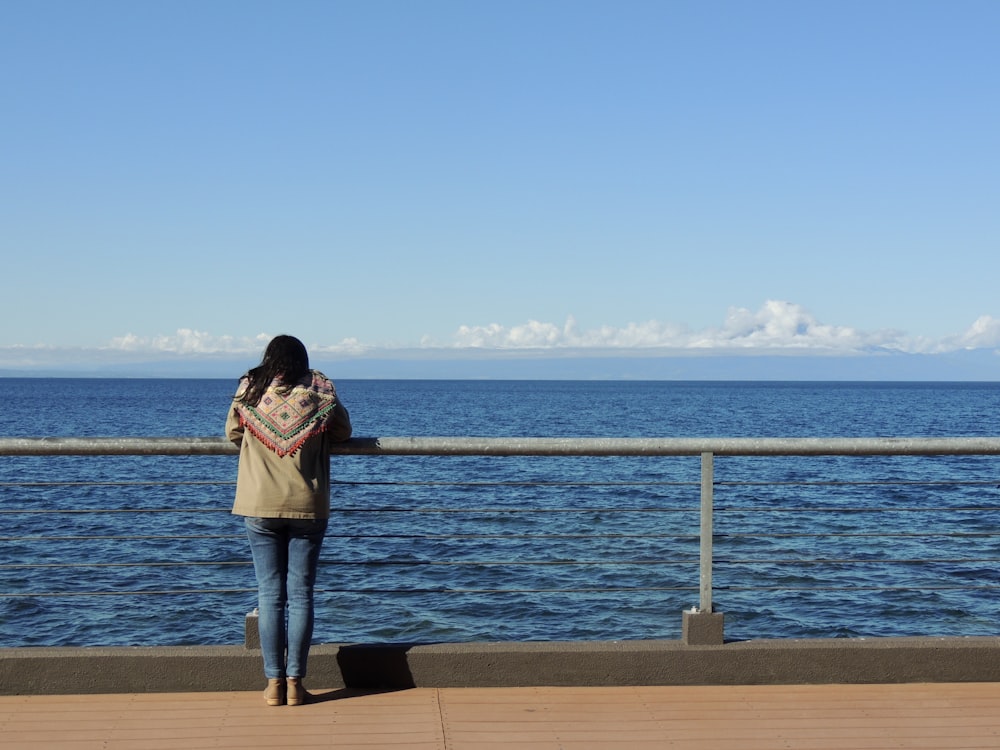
[285, 359]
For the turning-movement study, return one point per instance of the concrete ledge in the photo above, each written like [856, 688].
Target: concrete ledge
[41, 671]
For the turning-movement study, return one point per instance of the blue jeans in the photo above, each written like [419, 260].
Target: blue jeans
[285, 555]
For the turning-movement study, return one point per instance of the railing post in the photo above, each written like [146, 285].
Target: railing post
[705, 534]
[702, 626]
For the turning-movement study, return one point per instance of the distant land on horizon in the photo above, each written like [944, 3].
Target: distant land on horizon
[970, 365]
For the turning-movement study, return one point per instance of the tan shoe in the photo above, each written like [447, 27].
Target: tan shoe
[297, 694]
[274, 694]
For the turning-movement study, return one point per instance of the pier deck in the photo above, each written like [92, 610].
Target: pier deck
[941, 716]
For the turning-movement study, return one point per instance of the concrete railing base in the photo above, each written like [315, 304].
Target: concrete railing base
[702, 628]
[37, 671]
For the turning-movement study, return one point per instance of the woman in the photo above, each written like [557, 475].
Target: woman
[284, 417]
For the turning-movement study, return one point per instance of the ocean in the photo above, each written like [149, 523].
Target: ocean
[139, 550]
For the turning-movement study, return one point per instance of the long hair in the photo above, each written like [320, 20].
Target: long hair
[285, 360]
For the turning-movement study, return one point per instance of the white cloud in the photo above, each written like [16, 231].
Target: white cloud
[785, 325]
[188, 341]
[982, 334]
[776, 325]
[348, 346]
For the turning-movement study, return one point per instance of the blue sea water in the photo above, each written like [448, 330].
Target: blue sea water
[537, 548]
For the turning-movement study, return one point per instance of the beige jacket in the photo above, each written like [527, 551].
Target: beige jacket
[292, 486]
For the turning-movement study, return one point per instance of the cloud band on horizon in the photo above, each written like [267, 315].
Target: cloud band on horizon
[775, 326]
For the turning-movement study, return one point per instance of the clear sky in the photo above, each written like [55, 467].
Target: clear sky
[199, 175]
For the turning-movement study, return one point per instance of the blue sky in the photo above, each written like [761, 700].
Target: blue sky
[189, 178]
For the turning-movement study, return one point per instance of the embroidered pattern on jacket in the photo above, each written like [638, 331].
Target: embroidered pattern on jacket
[284, 421]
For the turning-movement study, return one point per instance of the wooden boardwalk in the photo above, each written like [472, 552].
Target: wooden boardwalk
[756, 717]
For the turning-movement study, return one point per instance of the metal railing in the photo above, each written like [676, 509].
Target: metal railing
[705, 449]
[528, 446]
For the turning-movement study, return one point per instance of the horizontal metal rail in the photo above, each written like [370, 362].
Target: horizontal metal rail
[420, 563]
[527, 446]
